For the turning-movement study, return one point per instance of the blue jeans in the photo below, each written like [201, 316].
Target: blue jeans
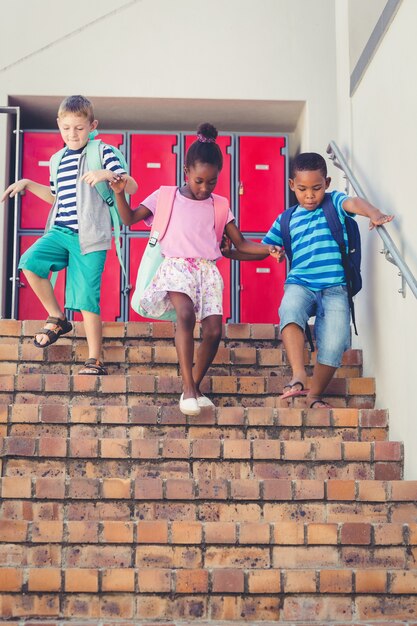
[332, 326]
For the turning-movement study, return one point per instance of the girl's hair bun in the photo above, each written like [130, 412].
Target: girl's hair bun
[208, 131]
[205, 149]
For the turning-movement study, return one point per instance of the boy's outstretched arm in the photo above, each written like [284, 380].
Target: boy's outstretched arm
[129, 216]
[246, 250]
[365, 208]
[42, 191]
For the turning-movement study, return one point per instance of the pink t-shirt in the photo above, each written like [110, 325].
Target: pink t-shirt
[190, 233]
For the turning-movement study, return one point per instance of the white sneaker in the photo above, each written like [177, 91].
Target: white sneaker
[189, 406]
[203, 401]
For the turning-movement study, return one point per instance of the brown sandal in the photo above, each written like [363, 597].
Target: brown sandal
[320, 404]
[93, 367]
[61, 328]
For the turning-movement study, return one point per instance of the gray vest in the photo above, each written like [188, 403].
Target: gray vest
[94, 220]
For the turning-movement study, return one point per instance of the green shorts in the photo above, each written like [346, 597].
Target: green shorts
[60, 248]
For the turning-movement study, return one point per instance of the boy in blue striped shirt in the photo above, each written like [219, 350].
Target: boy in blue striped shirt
[316, 285]
[78, 232]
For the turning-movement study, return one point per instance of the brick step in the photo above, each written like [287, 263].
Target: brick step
[134, 347]
[263, 333]
[160, 449]
[147, 577]
[113, 609]
[330, 511]
[204, 470]
[73, 366]
[209, 493]
[371, 536]
[150, 422]
[67, 357]
[162, 390]
[180, 622]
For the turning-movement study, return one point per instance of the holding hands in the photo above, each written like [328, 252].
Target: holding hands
[277, 252]
[98, 176]
[260, 253]
[118, 183]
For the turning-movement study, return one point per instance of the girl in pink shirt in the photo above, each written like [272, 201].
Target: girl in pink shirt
[188, 279]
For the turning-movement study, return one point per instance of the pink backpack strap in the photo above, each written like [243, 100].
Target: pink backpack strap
[221, 211]
[163, 211]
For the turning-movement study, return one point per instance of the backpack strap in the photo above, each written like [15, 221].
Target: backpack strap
[334, 222]
[336, 228]
[164, 205]
[94, 154]
[162, 215]
[285, 231]
[221, 212]
[286, 240]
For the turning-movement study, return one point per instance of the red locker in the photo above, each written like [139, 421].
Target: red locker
[110, 288]
[262, 183]
[113, 139]
[137, 246]
[37, 150]
[152, 164]
[261, 290]
[29, 307]
[224, 266]
[223, 187]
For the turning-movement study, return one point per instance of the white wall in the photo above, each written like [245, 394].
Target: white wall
[362, 19]
[382, 142]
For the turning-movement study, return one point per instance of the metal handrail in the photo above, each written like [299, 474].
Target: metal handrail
[390, 250]
[10, 110]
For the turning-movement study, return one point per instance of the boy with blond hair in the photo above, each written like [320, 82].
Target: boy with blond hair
[78, 231]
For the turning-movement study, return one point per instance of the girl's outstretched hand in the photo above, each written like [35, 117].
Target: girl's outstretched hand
[277, 252]
[118, 183]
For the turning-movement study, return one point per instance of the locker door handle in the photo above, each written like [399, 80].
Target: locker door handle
[18, 281]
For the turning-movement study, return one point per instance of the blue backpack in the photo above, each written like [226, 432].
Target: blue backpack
[351, 258]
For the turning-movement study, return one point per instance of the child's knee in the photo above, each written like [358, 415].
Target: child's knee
[212, 331]
[186, 315]
[330, 349]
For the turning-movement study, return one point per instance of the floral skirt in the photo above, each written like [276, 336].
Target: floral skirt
[198, 278]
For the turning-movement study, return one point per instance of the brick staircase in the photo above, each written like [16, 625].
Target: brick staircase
[117, 509]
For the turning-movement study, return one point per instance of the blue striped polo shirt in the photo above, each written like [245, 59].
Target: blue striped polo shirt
[316, 261]
[67, 184]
